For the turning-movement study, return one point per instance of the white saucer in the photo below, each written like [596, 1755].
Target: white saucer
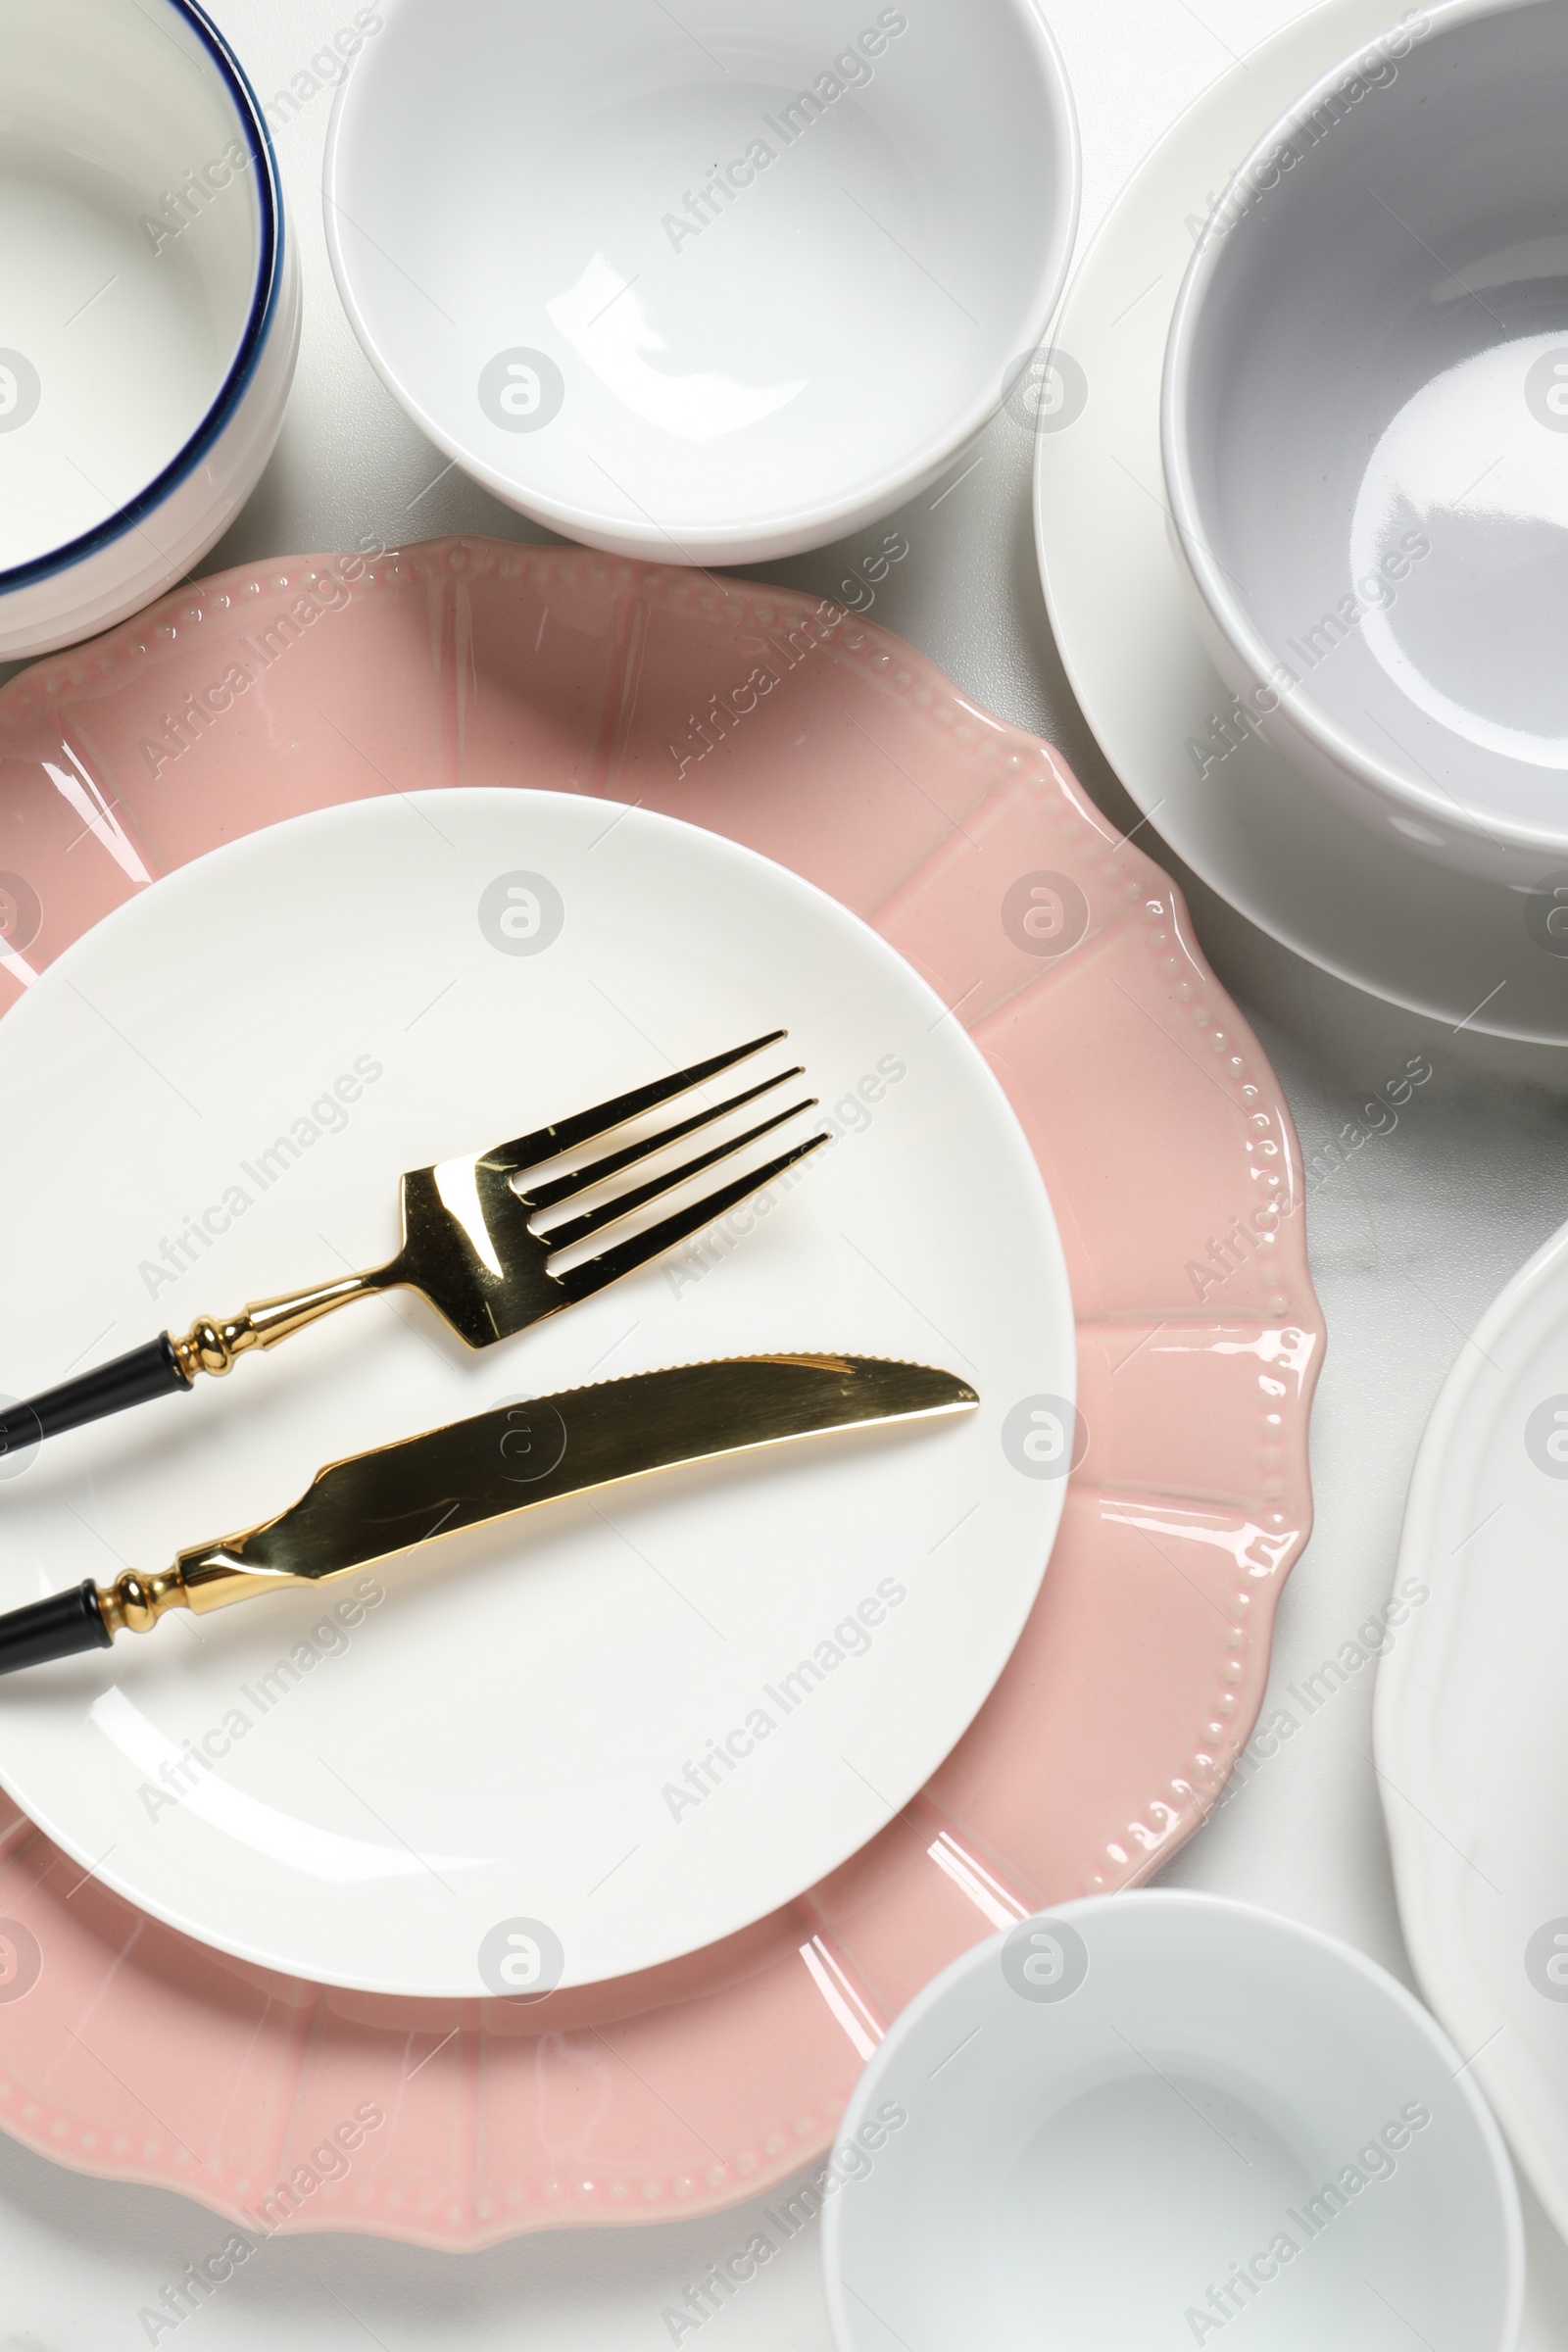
[1472, 1734]
[488, 1737]
[1458, 948]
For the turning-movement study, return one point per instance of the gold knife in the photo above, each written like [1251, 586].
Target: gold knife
[395, 1498]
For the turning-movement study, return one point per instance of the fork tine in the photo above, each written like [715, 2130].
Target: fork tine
[611, 1212]
[528, 1151]
[624, 1258]
[549, 1196]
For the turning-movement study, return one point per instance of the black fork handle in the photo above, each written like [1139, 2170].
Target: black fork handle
[133, 1379]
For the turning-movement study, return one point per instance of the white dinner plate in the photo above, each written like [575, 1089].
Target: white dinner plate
[1472, 1729]
[1351, 901]
[372, 1785]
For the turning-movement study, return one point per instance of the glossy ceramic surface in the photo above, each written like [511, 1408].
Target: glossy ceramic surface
[150, 339]
[129, 2050]
[707, 285]
[1357, 902]
[1471, 1748]
[1298, 2143]
[1383, 568]
[514, 1724]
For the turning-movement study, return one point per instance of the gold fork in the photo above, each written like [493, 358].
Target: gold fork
[469, 1245]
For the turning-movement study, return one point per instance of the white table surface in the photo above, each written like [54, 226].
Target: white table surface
[1408, 1244]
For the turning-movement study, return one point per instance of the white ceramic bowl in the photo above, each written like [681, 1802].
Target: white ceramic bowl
[1365, 429]
[151, 313]
[1142, 2121]
[709, 284]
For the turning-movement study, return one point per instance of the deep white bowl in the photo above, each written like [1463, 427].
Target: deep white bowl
[1365, 432]
[709, 284]
[1142, 2120]
[151, 313]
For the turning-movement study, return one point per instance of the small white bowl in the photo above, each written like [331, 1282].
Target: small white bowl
[1365, 432]
[151, 313]
[1142, 2120]
[706, 284]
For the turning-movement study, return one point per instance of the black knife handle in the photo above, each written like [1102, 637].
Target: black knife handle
[133, 1379]
[56, 1628]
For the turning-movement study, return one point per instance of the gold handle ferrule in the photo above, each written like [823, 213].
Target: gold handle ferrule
[211, 1578]
[134, 1602]
[210, 1347]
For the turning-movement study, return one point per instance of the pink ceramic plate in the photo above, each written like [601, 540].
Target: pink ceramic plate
[1171, 1162]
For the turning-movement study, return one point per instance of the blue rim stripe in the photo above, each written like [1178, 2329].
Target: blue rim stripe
[262, 310]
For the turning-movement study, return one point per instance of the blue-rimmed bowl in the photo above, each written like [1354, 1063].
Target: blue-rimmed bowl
[151, 313]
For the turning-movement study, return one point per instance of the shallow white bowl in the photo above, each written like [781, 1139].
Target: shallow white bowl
[1142, 2121]
[643, 273]
[1365, 431]
[152, 308]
